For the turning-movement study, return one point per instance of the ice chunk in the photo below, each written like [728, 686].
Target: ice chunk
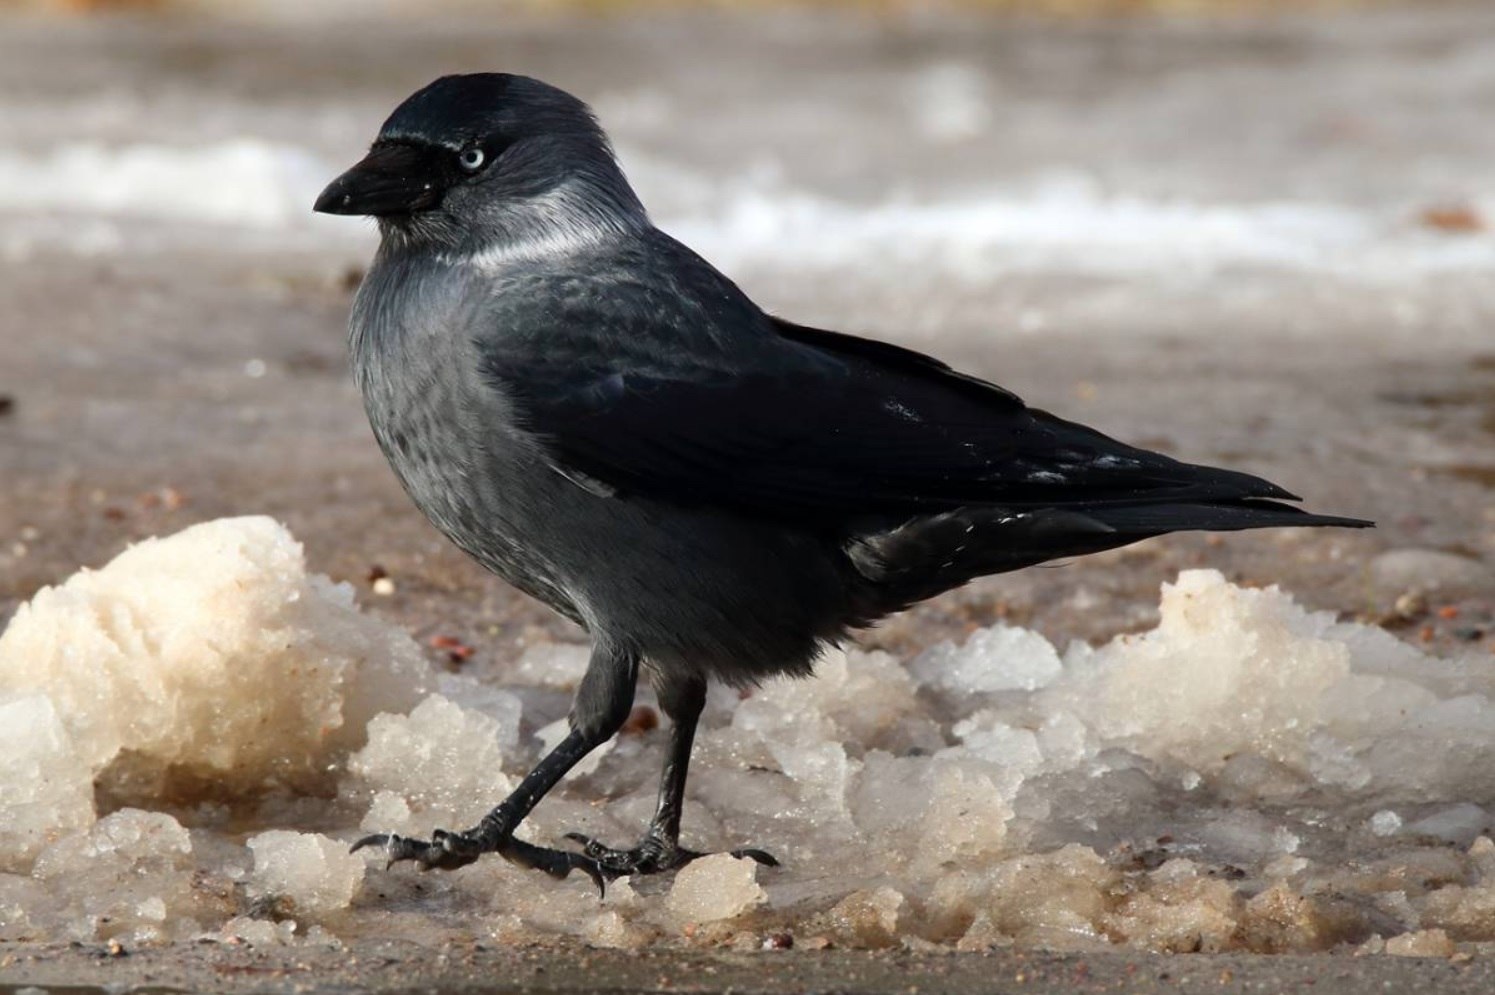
[1180, 909]
[129, 876]
[1246, 776]
[870, 918]
[440, 766]
[504, 707]
[314, 873]
[1014, 754]
[1233, 676]
[1057, 899]
[1285, 918]
[1465, 911]
[814, 731]
[931, 812]
[870, 702]
[46, 790]
[1423, 943]
[140, 657]
[1223, 673]
[613, 930]
[1001, 658]
[718, 886]
[257, 932]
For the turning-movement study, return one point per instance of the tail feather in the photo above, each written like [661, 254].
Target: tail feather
[931, 555]
[1229, 516]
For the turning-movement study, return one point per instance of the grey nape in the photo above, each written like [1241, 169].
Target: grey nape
[601, 418]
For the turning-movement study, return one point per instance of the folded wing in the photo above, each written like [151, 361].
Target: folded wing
[830, 426]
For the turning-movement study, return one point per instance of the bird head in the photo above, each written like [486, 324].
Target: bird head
[483, 158]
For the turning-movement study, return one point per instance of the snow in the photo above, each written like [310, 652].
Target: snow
[48, 789]
[1385, 822]
[308, 872]
[1056, 219]
[208, 662]
[719, 886]
[1423, 943]
[199, 729]
[442, 765]
[1062, 221]
[128, 876]
[1001, 658]
[245, 181]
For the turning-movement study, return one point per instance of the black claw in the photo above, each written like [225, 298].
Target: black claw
[653, 855]
[761, 856]
[594, 871]
[447, 851]
[557, 863]
[378, 839]
[589, 846]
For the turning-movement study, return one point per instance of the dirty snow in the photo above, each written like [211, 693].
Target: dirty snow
[204, 726]
[1060, 219]
[207, 665]
[246, 181]
[313, 873]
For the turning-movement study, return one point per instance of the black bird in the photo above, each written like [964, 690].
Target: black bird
[601, 418]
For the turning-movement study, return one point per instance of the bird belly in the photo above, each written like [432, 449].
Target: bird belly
[473, 480]
[697, 590]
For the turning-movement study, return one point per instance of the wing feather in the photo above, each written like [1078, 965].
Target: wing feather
[838, 427]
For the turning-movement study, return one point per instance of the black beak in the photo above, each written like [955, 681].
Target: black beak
[391, 179]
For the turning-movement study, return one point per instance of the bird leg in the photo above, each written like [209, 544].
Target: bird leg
[602, 705]
[660, 849]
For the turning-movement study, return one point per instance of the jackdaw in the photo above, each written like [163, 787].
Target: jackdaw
[601, 418]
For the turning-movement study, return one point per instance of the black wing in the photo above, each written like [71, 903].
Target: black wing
[821, 425]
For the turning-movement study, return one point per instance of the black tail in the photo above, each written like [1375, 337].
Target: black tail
[927, 556]
[1228, 516]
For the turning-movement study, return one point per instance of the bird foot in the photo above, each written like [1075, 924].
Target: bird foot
[444, 851]
[653, 855]
[447, 851]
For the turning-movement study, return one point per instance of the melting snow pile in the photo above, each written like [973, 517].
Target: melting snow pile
[1057, 220]
[190, 736]
[245, 182]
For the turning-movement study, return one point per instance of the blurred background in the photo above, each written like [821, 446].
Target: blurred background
[1254, 233]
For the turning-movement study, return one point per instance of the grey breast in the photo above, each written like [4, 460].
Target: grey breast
[450, 437]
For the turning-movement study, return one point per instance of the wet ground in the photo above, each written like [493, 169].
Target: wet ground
[396, 967]
[1255, 242]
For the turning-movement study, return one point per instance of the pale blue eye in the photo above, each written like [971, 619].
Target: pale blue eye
[472, 159]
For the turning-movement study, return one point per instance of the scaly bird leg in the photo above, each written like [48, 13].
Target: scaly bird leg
[602, 705]
[659, 849]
